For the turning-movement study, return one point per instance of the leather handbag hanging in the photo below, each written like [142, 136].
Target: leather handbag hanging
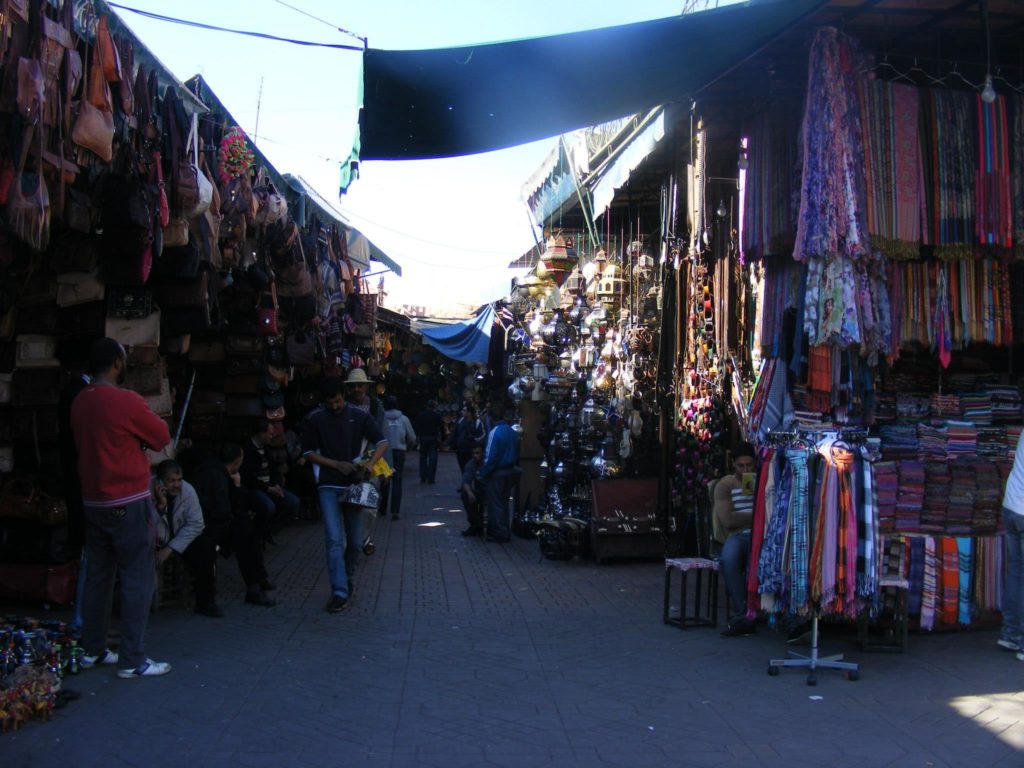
[74, 253]
[301, 348]
[146, 380]
[36, 351]
[94, 126]
[248, 384]
[28, 207]
[143, 355]
[206, 351]
[207, 401]
[79, 288]
[108, 53]
[267, 316]
[238, 366]
[129, 302]
[195, 293]
[204, 187]
[144, 330]
[244, 346]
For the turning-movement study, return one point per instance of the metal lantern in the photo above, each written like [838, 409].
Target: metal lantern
[559, 258]
[576, 283]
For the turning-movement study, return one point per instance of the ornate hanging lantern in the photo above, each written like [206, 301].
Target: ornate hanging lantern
[559, 258]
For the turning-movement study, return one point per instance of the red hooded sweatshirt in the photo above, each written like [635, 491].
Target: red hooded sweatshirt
[110, 428]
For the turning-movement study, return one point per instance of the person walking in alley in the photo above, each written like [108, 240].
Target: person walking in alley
[469, 433]
[499, 473]
[428, 430]
[112, 428]
[401, 437]
[332, 439]
[1011, 636]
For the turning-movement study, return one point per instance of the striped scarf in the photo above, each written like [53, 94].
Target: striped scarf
[764, 501]
[868, 537]
[950, 591]
[929, 588]
[770, 564]
[994, 205]
[800, 535]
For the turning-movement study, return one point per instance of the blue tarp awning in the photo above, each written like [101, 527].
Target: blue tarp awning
[467, 342]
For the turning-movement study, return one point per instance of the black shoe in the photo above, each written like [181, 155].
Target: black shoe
[212, 610]
[336, 604]
[472, 531]
[368, 548]
[259, 597]
[740, 628]
[267, 585]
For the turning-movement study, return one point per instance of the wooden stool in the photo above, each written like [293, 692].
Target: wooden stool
[173, 584]
[705, 591]
[894, 637]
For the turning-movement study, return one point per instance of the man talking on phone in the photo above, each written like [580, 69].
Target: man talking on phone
[733, 514]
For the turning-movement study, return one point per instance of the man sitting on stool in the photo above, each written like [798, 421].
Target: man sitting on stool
[270, 503]
[733, 514]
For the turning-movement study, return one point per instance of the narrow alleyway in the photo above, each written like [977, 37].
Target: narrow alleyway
[455, 652]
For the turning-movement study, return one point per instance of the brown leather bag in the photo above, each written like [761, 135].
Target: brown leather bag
[94, 126]
[108, 52]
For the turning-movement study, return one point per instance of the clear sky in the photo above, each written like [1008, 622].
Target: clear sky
[452, 224]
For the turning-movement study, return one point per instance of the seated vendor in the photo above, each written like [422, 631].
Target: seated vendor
[732, 516]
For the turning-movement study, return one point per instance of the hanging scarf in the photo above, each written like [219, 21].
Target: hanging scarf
[1017, 178]
[994, 222]
[932, 568]
[915, 575]
[868, 537]
[949, 149]
[950, 594]
[770, 565]
[799, 532]
[965, 547]
[764, 507]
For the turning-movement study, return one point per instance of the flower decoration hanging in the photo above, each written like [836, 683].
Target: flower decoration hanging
[234, 156]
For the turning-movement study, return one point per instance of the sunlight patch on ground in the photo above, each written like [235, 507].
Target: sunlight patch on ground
[432, 524]
[1001, 714]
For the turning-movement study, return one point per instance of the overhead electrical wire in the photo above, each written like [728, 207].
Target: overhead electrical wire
[322, 21]
[259, 35]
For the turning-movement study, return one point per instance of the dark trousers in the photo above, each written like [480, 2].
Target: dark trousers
[474, 510]
[498, 487]
[463, 455]
[201, 560]
[395, 486]
[428, 459]
[119, 541]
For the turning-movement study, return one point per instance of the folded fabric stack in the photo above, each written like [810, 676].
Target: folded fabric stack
[944, 406]
[1012, 438]
[1006, 403]
[899, 440]
[911, 495]
[936, 497]
[887, 486]
[885, 406]
[991, 442]
[961, 439]
[808, 418]
[912, 407]
[963, 485]
[976, 407]
[931, 441]
[988, 498]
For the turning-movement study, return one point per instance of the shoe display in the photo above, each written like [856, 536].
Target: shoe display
[259, 597]
[148, 668]
[212, 610]
[472, 531]
[107, 658]
[336, 604]
[740, 629]
[267, 585]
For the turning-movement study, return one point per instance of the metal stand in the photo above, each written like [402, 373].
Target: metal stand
[813, 662]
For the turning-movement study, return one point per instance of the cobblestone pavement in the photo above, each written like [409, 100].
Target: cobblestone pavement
[455, 652]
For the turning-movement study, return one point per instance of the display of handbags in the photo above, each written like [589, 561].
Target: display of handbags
[206, 351]
[79, 288]
[130, 331]
[36, 351]
[129, 302]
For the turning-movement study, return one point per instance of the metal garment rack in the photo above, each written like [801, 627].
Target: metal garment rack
[806, 439]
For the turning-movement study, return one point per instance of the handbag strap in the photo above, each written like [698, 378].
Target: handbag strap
[273, 293]
[193, 139]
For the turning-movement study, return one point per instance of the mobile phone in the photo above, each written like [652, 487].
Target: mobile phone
[747, 482]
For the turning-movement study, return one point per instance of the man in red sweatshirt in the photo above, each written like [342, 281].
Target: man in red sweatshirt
[112, 427]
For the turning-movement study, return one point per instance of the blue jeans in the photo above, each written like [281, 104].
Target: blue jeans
[428, 459]
[343, 531]
[1013, 579]
[398, 460]
[266, 508]
[733, 561]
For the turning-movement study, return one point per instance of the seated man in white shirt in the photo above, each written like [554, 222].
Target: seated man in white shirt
[733, 514]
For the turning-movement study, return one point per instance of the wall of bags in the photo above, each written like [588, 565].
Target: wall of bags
[128, 210]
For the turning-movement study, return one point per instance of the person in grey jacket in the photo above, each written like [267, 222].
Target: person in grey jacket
[401, 437]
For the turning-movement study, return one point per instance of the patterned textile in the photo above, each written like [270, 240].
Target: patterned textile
[1017, 178]
[868, 537]
[965, 550]
[949, 148]
[950, 594]
[929, 590]
[769, 218]
[993, 202]
[915, 574]
[764, 507]
[800, 519]
[770, 564]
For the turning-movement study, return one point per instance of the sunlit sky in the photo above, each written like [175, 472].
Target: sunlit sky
[453, 224]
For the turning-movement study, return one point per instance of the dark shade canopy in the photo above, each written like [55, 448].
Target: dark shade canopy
[466, 342]
[460, 101]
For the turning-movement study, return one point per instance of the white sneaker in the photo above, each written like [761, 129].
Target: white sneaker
[148, 668]
[1008, 645]
[106, 658]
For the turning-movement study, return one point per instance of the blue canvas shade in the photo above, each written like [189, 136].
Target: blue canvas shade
[467, 342]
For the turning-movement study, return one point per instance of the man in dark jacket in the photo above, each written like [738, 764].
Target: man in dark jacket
[428, 430]
[267, 498]
[499, 473]
[218, 484]
[469, 433]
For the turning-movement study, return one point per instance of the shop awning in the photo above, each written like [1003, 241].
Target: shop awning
[459, 101]
[615, 173]
[467, 342]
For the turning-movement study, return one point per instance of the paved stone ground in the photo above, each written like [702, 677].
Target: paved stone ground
[455, 653]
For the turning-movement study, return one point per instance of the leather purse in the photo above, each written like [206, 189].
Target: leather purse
[177, 345]
[301, 347]
[206, 351]
[37, 351]
[191, 294]
[107, 52]
[74, 253]
[94, 127]
[267, 316]
[143, 355]
[28, 206]
[79, 288]
[243, 346]
[205, 426]
[129, 303]
[129, 331]
[176, 232]
[274, 414]
[146, 380]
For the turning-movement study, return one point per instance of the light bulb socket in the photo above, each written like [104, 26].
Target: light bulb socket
[743, 163]
[721, 210]
[988, 93]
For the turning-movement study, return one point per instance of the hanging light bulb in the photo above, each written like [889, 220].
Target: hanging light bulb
[743, 163]
[721, 210]
[988, 93]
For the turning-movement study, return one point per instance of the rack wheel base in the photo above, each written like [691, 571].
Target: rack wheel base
[773, 671]
[812, 679]
[853, 675]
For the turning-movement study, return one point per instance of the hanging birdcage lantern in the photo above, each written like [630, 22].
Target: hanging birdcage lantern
[559, 257]
[575, 284]
[609, 286]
